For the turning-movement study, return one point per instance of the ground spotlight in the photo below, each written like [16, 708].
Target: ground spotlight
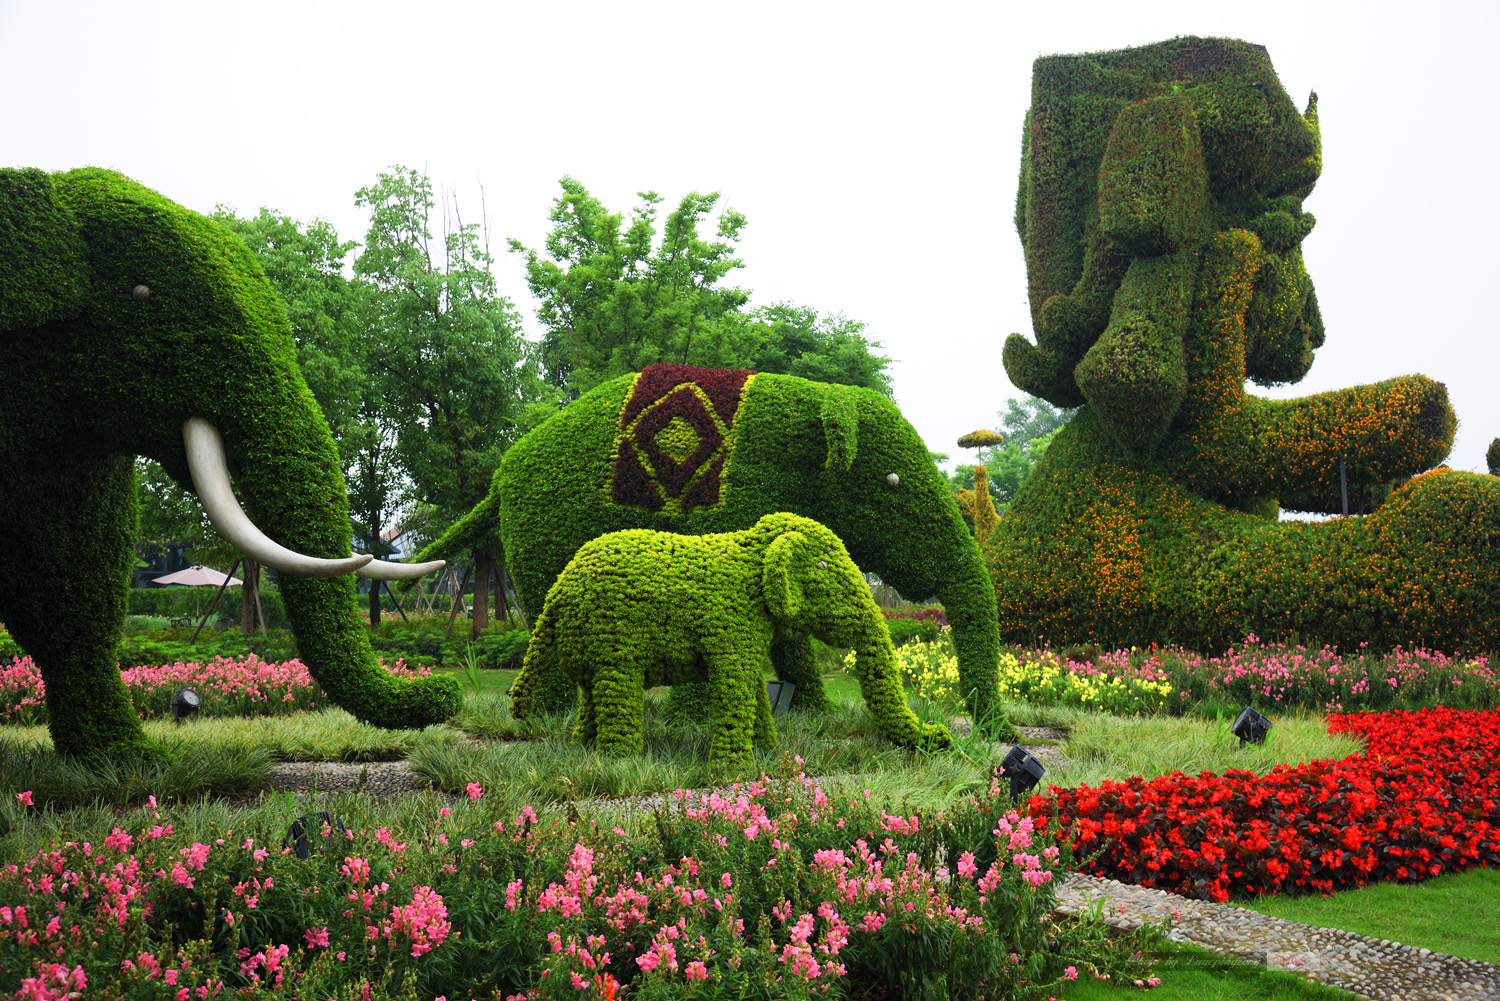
[1250, 726]
[780, 695]
[297, 835]
[185, 704]
[1022, 769]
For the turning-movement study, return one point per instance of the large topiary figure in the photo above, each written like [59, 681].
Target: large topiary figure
[1160, 205]
[640, 608]
[130, 326]
[690, 450]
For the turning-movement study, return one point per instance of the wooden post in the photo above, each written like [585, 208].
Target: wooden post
[458, 603]
[481, 594]
[215, 603]
[397, 601]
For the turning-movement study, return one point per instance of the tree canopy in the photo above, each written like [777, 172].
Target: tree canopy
[616, 297]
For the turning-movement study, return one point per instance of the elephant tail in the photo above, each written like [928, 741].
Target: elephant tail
[538, 657]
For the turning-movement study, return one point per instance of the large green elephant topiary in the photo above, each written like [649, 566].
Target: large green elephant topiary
[1160, 206]
[695, 451]
[640, 608]
[130, 326]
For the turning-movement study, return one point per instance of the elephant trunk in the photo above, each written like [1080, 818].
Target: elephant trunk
[289, 475]
[969, 604]
[880, 684]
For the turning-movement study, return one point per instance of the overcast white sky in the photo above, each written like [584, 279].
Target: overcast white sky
[874, 149]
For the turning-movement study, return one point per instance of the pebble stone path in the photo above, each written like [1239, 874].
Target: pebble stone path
[1369, 967]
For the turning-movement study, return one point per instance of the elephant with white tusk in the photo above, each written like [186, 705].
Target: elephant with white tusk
[640, 608]
[130, 326]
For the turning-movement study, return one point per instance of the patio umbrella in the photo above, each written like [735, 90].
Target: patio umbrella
[195, 576]
[198, 576]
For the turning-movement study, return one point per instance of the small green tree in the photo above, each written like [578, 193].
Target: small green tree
[616, 297]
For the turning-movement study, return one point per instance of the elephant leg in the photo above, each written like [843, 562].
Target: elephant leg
[793, 661]
[766, 737]
[616, 705]
[64, 573]
[587, 730]
[735, 725]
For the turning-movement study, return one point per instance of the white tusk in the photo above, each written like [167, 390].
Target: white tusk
[205, 456]
[384, 570]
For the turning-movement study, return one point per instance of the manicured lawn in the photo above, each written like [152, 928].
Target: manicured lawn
[1191, 974]
[1458, 913]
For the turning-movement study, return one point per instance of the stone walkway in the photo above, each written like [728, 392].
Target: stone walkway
[1369, 967]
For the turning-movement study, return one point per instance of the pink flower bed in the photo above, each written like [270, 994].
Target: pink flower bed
[228, 687]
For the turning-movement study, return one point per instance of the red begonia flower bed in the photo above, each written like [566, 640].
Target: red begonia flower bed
[1422, 799]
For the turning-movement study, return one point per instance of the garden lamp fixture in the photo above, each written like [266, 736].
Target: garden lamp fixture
[779, 693]
[185, 704]
[297, 835]
[1022, 769]
[1250, 726]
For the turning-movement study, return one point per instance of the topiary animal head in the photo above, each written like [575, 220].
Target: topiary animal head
[1145, 152]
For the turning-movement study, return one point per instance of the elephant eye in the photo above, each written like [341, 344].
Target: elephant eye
[893, 479]
[822, 564]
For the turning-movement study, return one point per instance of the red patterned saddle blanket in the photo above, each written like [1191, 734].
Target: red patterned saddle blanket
[675, 437]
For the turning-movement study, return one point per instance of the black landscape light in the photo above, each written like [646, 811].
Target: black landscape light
[297, 835]
[1250, 726]
[185, 704]
[780, 695]
[1022, 769]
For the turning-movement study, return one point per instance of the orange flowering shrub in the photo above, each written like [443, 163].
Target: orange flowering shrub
[1156, 293]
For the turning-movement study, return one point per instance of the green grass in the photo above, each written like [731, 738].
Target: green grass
[1191, 974]
[326, 735]
[1458, 913]
[1117, 747]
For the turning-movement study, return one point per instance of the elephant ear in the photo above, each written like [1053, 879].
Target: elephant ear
[840, 427]
[778, 578]
[42, 271]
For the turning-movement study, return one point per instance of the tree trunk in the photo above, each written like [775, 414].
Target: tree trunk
[481, 594]
[374, 602]
[249, 598]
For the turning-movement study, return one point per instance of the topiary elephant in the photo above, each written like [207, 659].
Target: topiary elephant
[639, 608]
[1160, 205]
[130, 326]
[695, 451]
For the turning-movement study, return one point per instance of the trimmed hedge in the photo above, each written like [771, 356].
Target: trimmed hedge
[1161, 209]
[638, 608]
[124, 315]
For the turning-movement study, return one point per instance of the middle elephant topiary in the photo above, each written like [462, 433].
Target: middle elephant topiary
[640, 608]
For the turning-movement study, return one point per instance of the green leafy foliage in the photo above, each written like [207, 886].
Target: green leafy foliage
[618, 296]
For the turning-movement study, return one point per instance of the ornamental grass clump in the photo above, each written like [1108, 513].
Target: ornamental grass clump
[776, 889]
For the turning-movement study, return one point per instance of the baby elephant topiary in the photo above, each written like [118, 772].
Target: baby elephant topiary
[640, 608]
